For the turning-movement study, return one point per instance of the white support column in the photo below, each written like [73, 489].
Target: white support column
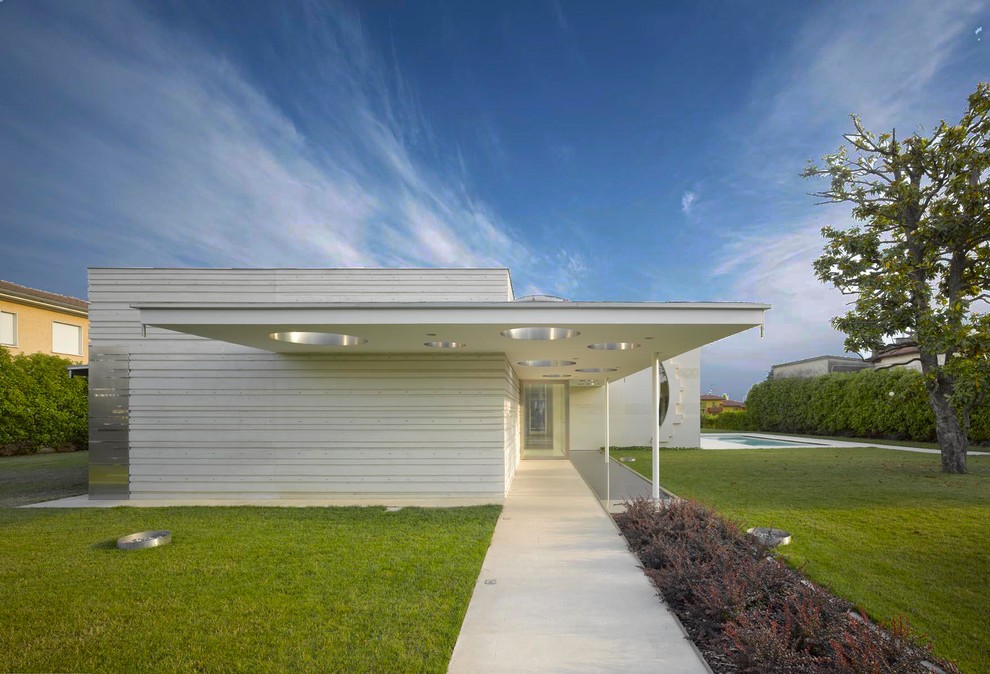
[656, 429]
[608, 454]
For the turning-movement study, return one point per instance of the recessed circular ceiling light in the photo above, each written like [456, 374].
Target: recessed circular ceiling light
[556, 376]
[445, 345]
[544, 333]
[317, 338]
[614, 346]
[545, 363]
[597, 369]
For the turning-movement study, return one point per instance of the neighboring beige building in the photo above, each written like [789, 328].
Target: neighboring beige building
[35, 321]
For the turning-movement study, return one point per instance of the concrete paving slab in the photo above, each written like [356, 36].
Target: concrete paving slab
[560, 592]
[624, 483]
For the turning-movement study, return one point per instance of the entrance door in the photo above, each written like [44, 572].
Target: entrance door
[545, 414]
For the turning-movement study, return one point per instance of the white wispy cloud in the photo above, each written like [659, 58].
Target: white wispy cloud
[889, 68]
[775, 267]
[687, 201]
[130, 143]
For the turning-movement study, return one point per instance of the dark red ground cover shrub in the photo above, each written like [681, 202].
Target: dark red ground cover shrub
[749, 613]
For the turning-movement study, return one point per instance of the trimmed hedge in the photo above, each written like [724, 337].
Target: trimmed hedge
[729, 421]
[40, 405]
[890, 404]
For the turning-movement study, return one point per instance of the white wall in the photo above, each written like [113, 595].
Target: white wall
[631, 408]
[212, 419]
[511, 422]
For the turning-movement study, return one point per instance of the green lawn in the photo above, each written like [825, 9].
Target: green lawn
[42, 477]
[884, 529]
[239, 588]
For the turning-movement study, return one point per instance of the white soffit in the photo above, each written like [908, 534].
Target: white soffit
[668, 329]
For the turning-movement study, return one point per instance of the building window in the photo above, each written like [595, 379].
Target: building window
[66, 339]
[8, 328]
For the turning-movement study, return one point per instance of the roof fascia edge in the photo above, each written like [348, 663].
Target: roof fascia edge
[350, 315]
[506, 306]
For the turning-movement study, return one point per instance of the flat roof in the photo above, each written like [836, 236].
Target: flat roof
[851, 359]
[609, 339]
[506, 305]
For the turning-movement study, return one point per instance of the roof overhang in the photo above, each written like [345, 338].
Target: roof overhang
[666, 329]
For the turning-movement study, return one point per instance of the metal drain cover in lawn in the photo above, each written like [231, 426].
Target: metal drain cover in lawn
[144, 539]
[771, 537]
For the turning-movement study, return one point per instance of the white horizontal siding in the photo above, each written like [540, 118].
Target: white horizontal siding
[343, 426]
[301, 285]
[211, 419]
[510, 420]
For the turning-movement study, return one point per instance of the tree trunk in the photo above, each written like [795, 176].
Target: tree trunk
[952, 440]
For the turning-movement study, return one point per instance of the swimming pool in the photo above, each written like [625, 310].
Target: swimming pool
[754, 441]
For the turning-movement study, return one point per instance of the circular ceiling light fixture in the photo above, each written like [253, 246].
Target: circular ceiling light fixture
[614, 346]
[556, 376]
[318, 338]
[597, 369]
[445, 345]
[545, 363]
[545, 334]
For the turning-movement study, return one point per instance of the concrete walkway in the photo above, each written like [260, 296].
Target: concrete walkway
[560, 592]
[625, 483]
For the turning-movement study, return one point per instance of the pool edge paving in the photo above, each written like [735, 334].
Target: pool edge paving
[560, 591]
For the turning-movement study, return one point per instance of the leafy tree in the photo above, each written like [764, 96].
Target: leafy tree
[918, 262]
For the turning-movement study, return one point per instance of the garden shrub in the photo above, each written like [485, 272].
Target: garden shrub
[749, 613]
[728, 421]
[40, 405]
[886, 404]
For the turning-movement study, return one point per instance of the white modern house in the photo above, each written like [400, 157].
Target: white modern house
[374, 384]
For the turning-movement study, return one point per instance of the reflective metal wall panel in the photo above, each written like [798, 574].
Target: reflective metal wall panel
[109, 370]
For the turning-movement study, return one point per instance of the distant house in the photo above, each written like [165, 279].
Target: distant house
[902, 353]
[710, 401]
[36, 321]
[818, 365]
[714, 404]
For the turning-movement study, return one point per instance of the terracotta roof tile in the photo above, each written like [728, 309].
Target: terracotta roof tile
[43, 295]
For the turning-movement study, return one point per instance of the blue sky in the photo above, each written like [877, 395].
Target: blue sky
[649, 153]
